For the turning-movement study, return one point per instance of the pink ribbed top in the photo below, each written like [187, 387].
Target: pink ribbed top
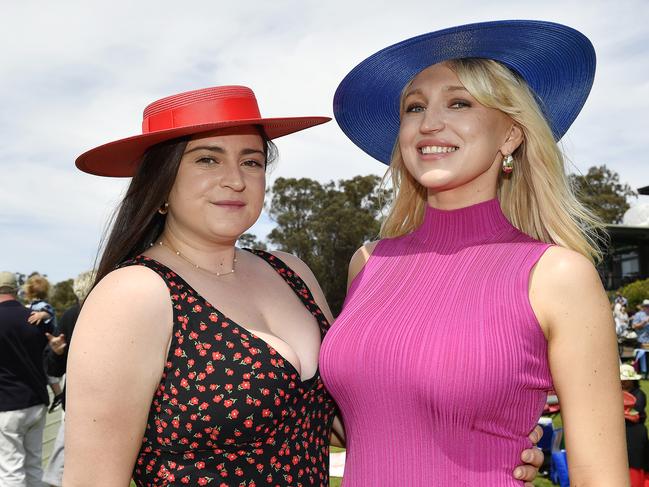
[437, 361]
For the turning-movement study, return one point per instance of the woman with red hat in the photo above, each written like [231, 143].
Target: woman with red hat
[195, 362]
[482, 286]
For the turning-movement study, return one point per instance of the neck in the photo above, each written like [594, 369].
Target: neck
[463, 226]
[460, 197]
[214, 257]
[7, 297]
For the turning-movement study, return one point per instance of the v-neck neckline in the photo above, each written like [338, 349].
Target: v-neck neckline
[304, 383]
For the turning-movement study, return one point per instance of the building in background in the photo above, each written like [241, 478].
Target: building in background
[627, 258]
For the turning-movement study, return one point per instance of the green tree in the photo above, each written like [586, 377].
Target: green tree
[324, 225]
[635, 292]
[248, 240]
[62, 296]
[601, 191]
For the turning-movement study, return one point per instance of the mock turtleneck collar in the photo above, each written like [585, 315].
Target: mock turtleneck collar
[469, 225]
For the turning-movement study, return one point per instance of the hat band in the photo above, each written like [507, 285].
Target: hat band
[212, 111]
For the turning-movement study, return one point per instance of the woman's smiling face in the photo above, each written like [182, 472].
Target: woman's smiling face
[447, 139]
[220, 185]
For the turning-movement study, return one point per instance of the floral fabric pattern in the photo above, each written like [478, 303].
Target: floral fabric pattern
[229, 409]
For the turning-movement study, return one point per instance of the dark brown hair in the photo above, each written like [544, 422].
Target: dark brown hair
[136, 222]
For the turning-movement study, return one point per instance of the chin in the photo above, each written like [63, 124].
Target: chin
[437, 180]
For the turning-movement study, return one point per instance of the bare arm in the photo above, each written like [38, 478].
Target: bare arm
[116, 359]
[573, 310]
[358, 261]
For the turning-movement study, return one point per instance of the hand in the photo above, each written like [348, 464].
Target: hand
[57, 344]
[532, 459]
[36, 317]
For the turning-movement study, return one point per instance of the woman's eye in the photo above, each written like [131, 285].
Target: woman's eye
[415, 108]
[460, 104]
[253, 163]
[206, 160]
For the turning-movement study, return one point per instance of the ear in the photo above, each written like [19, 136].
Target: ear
[514, 140]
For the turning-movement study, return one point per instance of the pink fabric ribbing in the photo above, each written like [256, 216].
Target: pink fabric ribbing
[437, 361]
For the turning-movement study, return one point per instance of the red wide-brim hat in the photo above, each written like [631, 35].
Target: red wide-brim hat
[189, 113]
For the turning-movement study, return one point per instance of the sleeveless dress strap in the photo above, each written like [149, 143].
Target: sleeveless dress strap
[296, 283]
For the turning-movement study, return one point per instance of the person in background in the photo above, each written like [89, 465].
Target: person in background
[23, 390]
[621, 319]
[619, 298]
[56, 363]
[636, 432]
[640, 322]
[37, 290]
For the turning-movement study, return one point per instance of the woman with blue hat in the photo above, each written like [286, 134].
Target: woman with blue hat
[481, 294]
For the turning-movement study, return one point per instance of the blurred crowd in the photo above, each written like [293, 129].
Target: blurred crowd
[33, 357]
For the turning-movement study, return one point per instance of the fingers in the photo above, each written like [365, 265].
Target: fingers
[533, 457]
[525, 472]
[536, 434]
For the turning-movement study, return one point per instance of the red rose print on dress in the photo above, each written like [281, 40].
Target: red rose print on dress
[227, 402]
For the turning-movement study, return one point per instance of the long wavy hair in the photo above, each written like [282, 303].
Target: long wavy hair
[136, 222]
[536, 197]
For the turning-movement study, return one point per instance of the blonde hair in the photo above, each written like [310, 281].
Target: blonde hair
[536, 197]
[36, 287]
[82, 284]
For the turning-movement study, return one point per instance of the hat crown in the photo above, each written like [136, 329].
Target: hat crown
[8, 280]
[627, 372]
[205, 106]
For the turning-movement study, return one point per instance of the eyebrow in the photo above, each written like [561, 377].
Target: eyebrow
[221, 150]
[417, 91]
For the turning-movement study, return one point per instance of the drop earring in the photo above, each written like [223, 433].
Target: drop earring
[508, 164]
[163, 209]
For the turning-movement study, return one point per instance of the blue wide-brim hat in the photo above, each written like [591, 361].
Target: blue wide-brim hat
[556, 61]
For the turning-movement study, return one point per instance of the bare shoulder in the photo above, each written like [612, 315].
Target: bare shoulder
[132, 286]
[134, 299]
[305, 273]
[564, 284]
[359, 259]
[297, 264]
[565, 270]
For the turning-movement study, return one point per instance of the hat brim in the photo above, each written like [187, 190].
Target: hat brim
[121, 158]
[556, 61]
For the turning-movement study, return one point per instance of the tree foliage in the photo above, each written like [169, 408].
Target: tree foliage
[601, 191]
[635, 293]
[250, 241]
[324, 225]
[62, 296]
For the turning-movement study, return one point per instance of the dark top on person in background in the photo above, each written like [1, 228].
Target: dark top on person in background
[56, 364]
[640, 403]
[22, 377]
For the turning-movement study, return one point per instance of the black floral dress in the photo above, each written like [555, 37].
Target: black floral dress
[229, 409]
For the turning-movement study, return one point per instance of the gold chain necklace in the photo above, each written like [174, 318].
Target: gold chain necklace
[217, 274]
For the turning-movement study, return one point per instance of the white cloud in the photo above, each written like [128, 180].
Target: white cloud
[78, 74]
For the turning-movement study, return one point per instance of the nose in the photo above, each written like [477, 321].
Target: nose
[233, 178]
[432, 121]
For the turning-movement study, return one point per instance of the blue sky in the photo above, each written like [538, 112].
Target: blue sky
[78, 74]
